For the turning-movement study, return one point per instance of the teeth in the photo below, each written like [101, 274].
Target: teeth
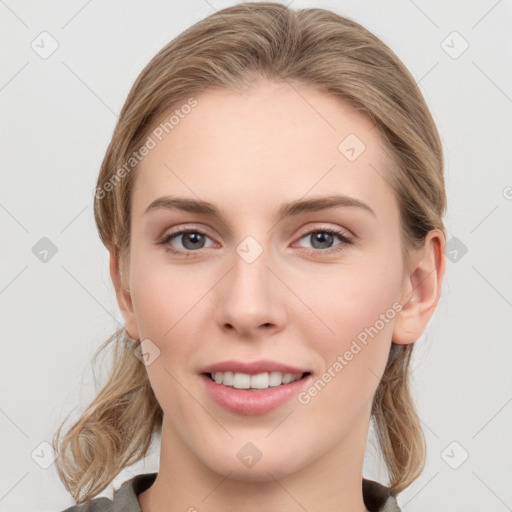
[241, 381]
[259, 381]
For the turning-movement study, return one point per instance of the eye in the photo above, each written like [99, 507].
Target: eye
[191, 240]
[322, 239]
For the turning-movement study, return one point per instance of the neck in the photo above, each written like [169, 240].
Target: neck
[332, 483]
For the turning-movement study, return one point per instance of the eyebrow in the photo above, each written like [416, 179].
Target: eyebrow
[285, 210]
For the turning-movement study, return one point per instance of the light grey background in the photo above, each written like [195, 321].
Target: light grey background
[56, 118]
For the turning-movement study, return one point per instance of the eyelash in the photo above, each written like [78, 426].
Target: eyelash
[341, 247]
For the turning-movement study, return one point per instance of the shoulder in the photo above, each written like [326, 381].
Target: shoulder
[378, 497]
[95, 505]
[125, 498]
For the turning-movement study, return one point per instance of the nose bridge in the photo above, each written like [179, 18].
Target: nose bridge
[250, 275]
[248, 297]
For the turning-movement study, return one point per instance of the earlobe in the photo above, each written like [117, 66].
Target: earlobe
[422, 289]
[124, 299]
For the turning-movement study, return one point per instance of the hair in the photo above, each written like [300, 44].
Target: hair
[229, 50]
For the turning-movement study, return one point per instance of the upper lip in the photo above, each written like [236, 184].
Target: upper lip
[252, 367]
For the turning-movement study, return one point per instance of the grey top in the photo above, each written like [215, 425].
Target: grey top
[377, 497]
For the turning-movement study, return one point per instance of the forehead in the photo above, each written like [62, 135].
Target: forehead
[273, 142]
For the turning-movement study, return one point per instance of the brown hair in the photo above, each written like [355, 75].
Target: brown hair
[230, 49]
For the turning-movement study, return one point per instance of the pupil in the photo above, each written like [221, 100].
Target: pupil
[323, 238]
[196, 238]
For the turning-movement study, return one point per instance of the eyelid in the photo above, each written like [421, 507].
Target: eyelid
[176, 230]
[312, 226]
[324, 226]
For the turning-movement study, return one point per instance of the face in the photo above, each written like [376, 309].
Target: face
[318, 288]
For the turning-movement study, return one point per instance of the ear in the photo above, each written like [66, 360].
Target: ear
[123, 297]
[421, 290]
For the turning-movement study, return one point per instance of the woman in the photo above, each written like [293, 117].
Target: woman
[272, 201]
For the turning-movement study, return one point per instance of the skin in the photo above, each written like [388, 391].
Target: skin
[296, 303]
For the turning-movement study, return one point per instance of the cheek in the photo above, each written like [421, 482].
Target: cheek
[168, 309]
[358, 308]
[164, 307]
[162, 297]
[347, 299]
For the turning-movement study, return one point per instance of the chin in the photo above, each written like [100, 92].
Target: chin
[239, 466]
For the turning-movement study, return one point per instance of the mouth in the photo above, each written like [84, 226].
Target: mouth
[253, 387]
[253, 394]
[255, 382]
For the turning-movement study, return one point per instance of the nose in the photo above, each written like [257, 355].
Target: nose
[249, 298]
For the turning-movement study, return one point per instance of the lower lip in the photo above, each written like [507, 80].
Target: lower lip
[243, 401]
